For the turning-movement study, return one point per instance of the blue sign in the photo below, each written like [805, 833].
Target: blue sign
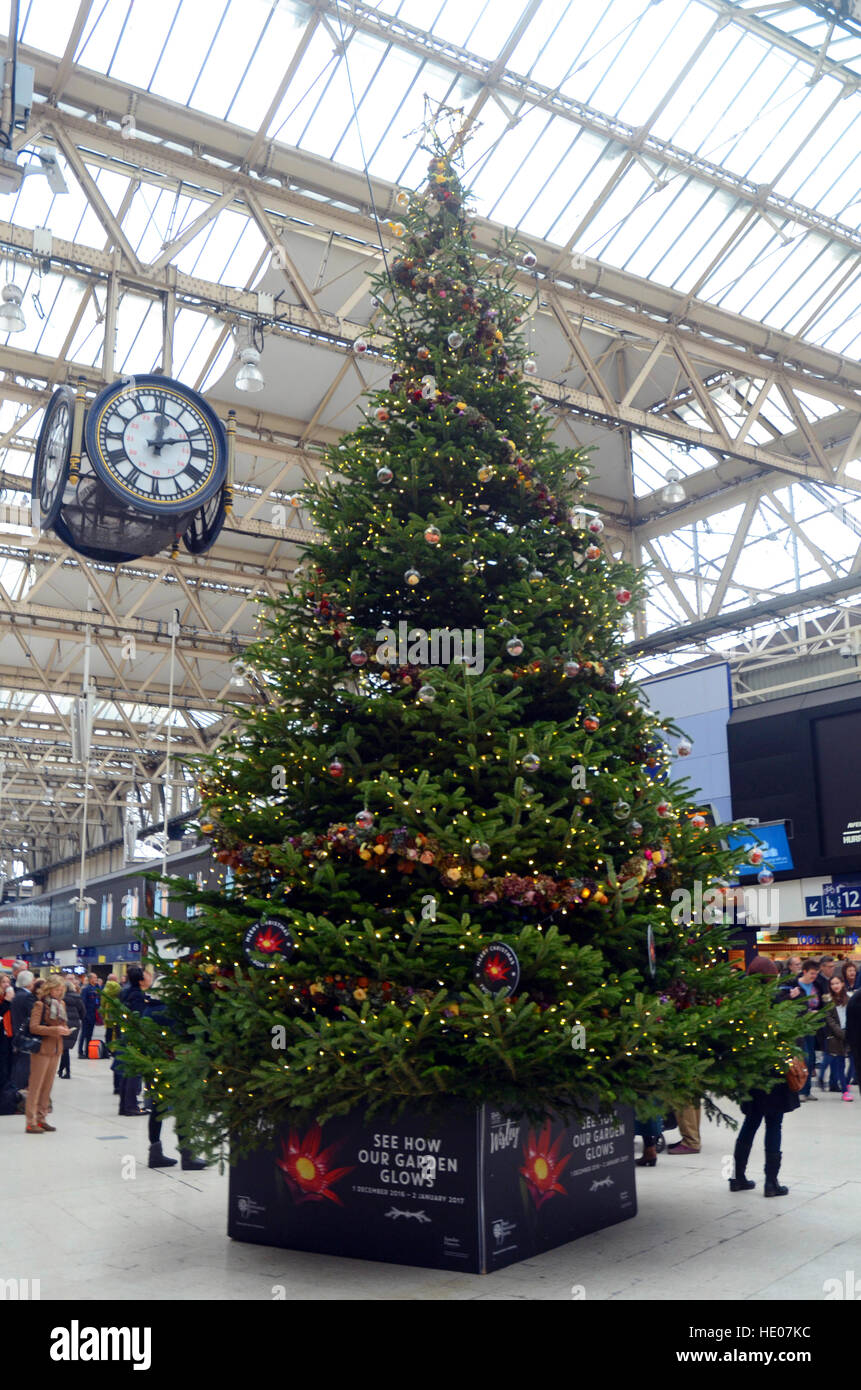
[847, 898]
[813, 907]
[773, 842]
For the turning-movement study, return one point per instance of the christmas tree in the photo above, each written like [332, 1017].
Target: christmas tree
[450, 837]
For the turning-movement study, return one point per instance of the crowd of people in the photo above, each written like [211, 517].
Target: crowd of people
[41, 1021]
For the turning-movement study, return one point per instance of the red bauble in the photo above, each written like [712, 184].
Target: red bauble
[336, 768]
[623, 596]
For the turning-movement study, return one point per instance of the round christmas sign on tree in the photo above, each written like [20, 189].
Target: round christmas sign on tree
[270, 937]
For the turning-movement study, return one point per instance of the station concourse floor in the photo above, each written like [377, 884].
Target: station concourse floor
[161, 1234]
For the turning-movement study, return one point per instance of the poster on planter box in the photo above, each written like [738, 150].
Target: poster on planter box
[547, 1184]
[474, 1190]
[401, 1190]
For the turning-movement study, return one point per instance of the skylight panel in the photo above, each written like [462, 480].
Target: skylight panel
[145, 30]
[478, 25]
[46, 25]
[193, 34]
[257, 82]
[660, 39]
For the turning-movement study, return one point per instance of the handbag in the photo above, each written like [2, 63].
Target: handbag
[796, 1077]
[26, 1041]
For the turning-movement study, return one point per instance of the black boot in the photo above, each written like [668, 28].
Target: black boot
[649, 1159]
[772, 1167]
[189, 1164]
[740, 1183]
[158, 1158]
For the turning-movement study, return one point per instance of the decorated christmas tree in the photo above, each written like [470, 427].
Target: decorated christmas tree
[449, 838]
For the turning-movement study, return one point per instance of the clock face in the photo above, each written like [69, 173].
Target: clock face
[156, 444]
[53, 452]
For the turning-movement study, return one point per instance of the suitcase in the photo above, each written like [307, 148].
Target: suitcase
[94, 1050]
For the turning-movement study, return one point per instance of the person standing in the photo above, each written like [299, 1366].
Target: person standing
[822, 985]
[853, 1031]
[75, 1019]
[768, 1105]
[804, 990]
[22, 1003]
[47, 1021]
[836, 1046]
[7, 1056]
[132, 997]
[90, 1001]
[110, 992]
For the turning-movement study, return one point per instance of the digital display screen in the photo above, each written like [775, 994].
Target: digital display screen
[837, 752]
[772, 840]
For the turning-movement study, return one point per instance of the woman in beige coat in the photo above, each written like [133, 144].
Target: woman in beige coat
[48, 1022]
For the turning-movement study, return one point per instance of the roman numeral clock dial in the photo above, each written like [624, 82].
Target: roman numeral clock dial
[157, 445]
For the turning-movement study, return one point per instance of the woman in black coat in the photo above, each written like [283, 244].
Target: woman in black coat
[770, 1106]
[74, 1018]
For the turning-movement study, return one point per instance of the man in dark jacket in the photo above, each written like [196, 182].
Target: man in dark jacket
[90, 1001]
[21, 1006]
[132, 997]
[853, 1031]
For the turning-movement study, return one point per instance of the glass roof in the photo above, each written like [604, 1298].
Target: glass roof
[745, 132]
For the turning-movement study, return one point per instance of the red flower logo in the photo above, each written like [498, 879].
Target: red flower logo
[542, 1166]
[269, 941]
[306, 1169]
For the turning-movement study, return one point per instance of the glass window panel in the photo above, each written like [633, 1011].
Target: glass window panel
[254, 89]
[660, 40]
[143, 37]
[193, 32]
[300, 100]
[224, 65]
[535, 55]
[44, 24]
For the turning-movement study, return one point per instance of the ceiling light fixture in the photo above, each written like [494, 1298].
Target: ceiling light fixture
[249, 376]
[12, 319]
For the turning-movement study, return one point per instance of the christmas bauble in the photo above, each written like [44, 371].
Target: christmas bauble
[634, 829]
[480, 851]
[621, 810]
[423, 354]
[756, 855]
[536, 402]
[683, 748]
[529, 259]
[485, 473]
[470, 567]
[536, 576]
[360, 346]
[521, 562]
[454, 339]
[530, 366]
[765, 876]
[402, 199]
[358, 657]
[699, 822]
[336, 768]
[514, 646]
[664, 808]
[427, 694]
[412, 577]
[365, 820]
[382, 414]
[591, 723]
[432, 535]
[623, 596]
[592, 552]
[572, 668]
[596, 526]
[384, 474]
[530, 762]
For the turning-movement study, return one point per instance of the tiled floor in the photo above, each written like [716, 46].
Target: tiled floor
[120, 1230]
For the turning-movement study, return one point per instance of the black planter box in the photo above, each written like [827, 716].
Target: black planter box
[474, 1190]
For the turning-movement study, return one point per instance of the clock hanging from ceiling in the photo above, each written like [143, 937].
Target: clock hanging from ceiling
[146, 464]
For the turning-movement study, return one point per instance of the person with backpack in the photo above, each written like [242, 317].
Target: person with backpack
[75, 1016]
[90, 1001]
